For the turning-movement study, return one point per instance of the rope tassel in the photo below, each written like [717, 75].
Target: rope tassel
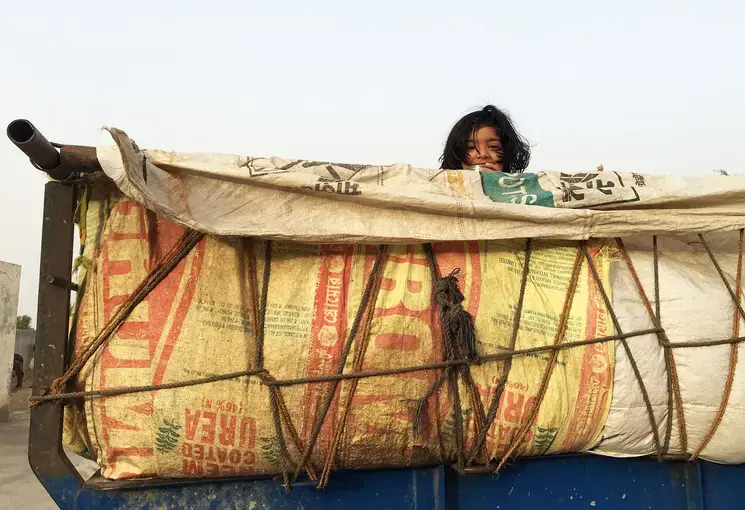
[457, 323]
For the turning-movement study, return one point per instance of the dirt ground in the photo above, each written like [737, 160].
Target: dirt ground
[19, 488]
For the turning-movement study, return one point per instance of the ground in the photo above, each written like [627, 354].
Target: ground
[19, 488]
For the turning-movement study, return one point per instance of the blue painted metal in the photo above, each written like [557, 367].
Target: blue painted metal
[576, 482]
[62, 488]
[413, 489]
[581, 482]
[722, 486]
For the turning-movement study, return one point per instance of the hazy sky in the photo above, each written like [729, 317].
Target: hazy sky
[651, 87]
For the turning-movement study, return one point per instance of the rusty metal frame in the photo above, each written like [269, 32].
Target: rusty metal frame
[45, 454]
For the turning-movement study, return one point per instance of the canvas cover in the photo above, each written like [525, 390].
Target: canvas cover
[198, 322]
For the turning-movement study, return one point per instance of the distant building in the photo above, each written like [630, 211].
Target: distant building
[10, 279]
[25, 339]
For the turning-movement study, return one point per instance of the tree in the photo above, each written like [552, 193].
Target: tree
[23, 322]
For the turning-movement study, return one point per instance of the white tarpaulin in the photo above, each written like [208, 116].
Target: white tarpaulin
[310, 201]
[607, 398]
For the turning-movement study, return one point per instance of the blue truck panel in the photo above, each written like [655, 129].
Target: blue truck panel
[578, 482]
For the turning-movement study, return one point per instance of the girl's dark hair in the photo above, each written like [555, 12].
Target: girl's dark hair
[516, 151]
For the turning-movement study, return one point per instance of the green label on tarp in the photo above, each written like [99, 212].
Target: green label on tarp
[516, 189]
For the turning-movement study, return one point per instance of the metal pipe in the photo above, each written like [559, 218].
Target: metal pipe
[26, 137]
[59, 165]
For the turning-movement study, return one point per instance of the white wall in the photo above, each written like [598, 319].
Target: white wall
[25, 340]
[10, 278]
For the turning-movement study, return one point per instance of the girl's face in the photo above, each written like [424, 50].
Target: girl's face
[485, 149]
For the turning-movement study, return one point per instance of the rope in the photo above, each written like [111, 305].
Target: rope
[494, 406]
[250, 302]
[706, 343]
[263, 302]
[309, 469]
[435, 269]
[457, 420]
[478, 405]
[460, 352]
[632, 361]
[277, 403]
[359, 355]
[277, 420]
[738, 304]
[733, 356]
[139, 389]
[425, 398]
[459, 339]
[673, 385]
[170, 260]
[274, 392]
[320, 417]
[670, 365]
[366, 374]
[560, 333]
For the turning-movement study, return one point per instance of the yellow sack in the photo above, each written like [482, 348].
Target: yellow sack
[201, 321]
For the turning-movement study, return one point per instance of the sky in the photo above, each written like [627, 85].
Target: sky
[650, 87]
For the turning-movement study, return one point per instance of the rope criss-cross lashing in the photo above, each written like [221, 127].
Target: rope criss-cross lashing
[627, 349]
[326, 405]
[670, 365]
[275, 395]
[356, 375]
[458, 341]
[674, 399]
[494, 405]
[737, 316]
[360, 349]
[160, 271]
[277, 403]
[257, 307]
[558, 339]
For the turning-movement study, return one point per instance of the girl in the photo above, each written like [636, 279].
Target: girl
[486, 138]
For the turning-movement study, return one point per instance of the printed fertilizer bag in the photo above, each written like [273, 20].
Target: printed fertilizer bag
[201, 321]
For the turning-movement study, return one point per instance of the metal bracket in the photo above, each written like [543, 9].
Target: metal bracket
[62, 282]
